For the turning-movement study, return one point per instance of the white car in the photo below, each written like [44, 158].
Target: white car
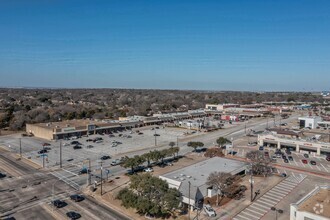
[66, 144]
[149, 169]
[209, 211]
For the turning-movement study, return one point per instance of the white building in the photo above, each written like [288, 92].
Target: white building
[314, 206]
[220, 107]
[310, 122]
[191, 180]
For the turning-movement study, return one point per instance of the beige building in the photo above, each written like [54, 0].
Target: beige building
[314, 206]
[299, 145]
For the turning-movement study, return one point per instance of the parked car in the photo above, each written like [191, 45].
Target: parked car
[76, 147]
[89, 146]
[288, 152]
[66, 144]
[283, 175]
[261, 148]
[2, 175]
[75, 142]
[105, 157]
[148, 170]
[312, 162]
[157, 135]
[59, 203]
[290, 158]
[73, 215]
[89, 140]
[45, 144]
[304, 161]
[77, 198]
[306, 155]
[42, 151]
[209, 211]
[286, 161]
[47, 148]
[84, 171]
[116, 162]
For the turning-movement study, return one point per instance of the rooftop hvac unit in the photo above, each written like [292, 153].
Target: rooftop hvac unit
[67, 125]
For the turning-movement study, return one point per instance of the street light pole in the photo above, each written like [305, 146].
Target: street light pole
[20, 147]
[189, 200]
[60, 153]
[155, 138]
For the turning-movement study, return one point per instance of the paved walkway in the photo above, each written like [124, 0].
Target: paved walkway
[261, 206]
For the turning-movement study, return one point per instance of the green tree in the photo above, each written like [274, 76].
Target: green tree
[221, 141]
[148, 194]
[148, 157]
[133, 162]
[195, 144]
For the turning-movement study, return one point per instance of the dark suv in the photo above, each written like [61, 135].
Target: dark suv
[59, 203]
[77, 198]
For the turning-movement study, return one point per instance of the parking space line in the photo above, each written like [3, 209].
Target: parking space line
[318, 167]
[310, 165]
[324, 167]
[296, 163]
[302, 164]
[293, 175]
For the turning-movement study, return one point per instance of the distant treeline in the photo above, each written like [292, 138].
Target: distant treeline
[21, 106]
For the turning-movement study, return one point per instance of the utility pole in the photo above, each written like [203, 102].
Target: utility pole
[60, 153]
[251, 183]
[245, 127]
[267, 122]
[155, 138]
[43, 156]
[189, 200]
[177, 140]
[89, 172]
[101, 178]
[20, 148]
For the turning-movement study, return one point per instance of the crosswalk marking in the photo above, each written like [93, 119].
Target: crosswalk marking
[263, 204]
[251, 210]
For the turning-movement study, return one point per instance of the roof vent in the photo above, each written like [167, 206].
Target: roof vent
[67, 125]
[175, 177]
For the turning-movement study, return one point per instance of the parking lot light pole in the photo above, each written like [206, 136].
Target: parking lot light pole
[155, 138]
[60, 153]
[189, 199]
[251, 182]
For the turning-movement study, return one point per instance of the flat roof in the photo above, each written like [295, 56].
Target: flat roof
[313, 203]
[198, 173]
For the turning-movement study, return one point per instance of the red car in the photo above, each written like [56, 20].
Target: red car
[304, 161]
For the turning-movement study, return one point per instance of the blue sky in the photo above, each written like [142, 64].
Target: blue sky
[166, 44]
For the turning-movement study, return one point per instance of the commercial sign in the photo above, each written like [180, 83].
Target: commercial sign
[68, 129]
[91, 127]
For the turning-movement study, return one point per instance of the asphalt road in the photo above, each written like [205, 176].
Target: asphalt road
[26, 191]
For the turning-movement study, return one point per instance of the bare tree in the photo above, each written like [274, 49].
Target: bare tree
[260, 164]
[219, 181]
